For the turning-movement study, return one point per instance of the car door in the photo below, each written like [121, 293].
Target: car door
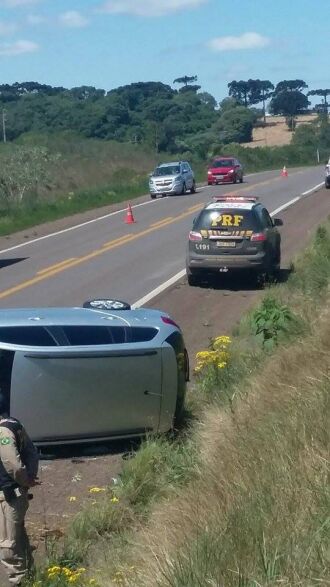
[239, 168]
[187, 175]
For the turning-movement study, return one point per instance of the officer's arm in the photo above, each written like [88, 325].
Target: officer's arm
[31, 456]
[11, 459]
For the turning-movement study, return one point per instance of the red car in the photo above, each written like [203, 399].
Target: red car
[224, 170]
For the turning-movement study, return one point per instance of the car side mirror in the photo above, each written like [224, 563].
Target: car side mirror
[278, 222]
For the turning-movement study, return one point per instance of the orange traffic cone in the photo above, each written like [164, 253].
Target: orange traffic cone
[129, 215]
[284, 172]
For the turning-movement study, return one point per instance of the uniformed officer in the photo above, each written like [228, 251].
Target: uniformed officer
[18, 472]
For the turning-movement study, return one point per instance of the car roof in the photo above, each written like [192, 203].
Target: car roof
[79, 317]
[227, 203]
[226, 157]
[171, 163]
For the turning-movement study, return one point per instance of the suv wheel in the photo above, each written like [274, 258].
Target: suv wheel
[193, 278]
[193, 188]
[152, 196]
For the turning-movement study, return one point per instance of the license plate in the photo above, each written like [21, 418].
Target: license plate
[219, 176]
[226, 244]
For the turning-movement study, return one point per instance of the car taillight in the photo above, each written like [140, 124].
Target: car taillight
[171, 322]
[195, 236]
[258, 237]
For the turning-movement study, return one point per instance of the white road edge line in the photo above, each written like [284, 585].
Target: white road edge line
[161, 288]
[82, 224]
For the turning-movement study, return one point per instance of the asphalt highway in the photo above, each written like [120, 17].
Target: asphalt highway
[107, 258]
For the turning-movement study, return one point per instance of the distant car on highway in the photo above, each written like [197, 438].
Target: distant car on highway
[327, 176]
[224, 170]
[233, 234]
[92, 373]
[174, 178]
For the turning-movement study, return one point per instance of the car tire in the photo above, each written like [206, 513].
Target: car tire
[327, 185]
[184, 190]
[193, 278]
[153, 196]
[209, 183]
[241, 179]
[193, 188]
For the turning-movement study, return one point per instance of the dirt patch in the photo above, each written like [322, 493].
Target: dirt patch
[276, 132]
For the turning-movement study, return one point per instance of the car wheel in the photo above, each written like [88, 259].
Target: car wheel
[241, 179]
[193, 278]
[193, 188]
[106, 304]
[153, 196]
[327, 185]
[209, 183]
[184, 190]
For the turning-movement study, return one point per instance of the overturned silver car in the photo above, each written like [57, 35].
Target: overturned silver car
[87, 374]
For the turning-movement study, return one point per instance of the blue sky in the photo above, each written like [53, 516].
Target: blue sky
[108, 43]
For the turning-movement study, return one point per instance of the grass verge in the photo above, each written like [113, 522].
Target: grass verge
[241, 498]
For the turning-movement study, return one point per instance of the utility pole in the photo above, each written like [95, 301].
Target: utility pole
[4, 125]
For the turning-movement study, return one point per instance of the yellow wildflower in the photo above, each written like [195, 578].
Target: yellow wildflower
[96, 489]
[54, 569]
[114, 499]
[72, 498]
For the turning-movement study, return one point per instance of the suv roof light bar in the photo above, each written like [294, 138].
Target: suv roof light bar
[235, 198]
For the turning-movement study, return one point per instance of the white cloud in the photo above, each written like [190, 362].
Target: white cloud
[7, 28]
[15, 3]
[149, 7]
[35, 19]
[245, 41]
[18, 48]
[73, 19]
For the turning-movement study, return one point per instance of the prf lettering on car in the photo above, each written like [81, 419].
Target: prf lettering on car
[227, 220]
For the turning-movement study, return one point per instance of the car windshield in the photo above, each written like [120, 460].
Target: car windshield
[168, 170]
[223, 163]
[226, 218]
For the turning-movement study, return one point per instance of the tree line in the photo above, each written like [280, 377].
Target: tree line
[153, 113]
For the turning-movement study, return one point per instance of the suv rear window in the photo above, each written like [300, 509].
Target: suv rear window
[227, 218]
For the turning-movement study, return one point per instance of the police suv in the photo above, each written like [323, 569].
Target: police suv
[233, 233]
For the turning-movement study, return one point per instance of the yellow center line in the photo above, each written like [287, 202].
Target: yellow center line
[116, 240]
[195, 208]
[162, 221]
[74, 262]
[61, 264]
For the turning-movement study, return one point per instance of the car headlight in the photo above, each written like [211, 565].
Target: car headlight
[231, 171]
